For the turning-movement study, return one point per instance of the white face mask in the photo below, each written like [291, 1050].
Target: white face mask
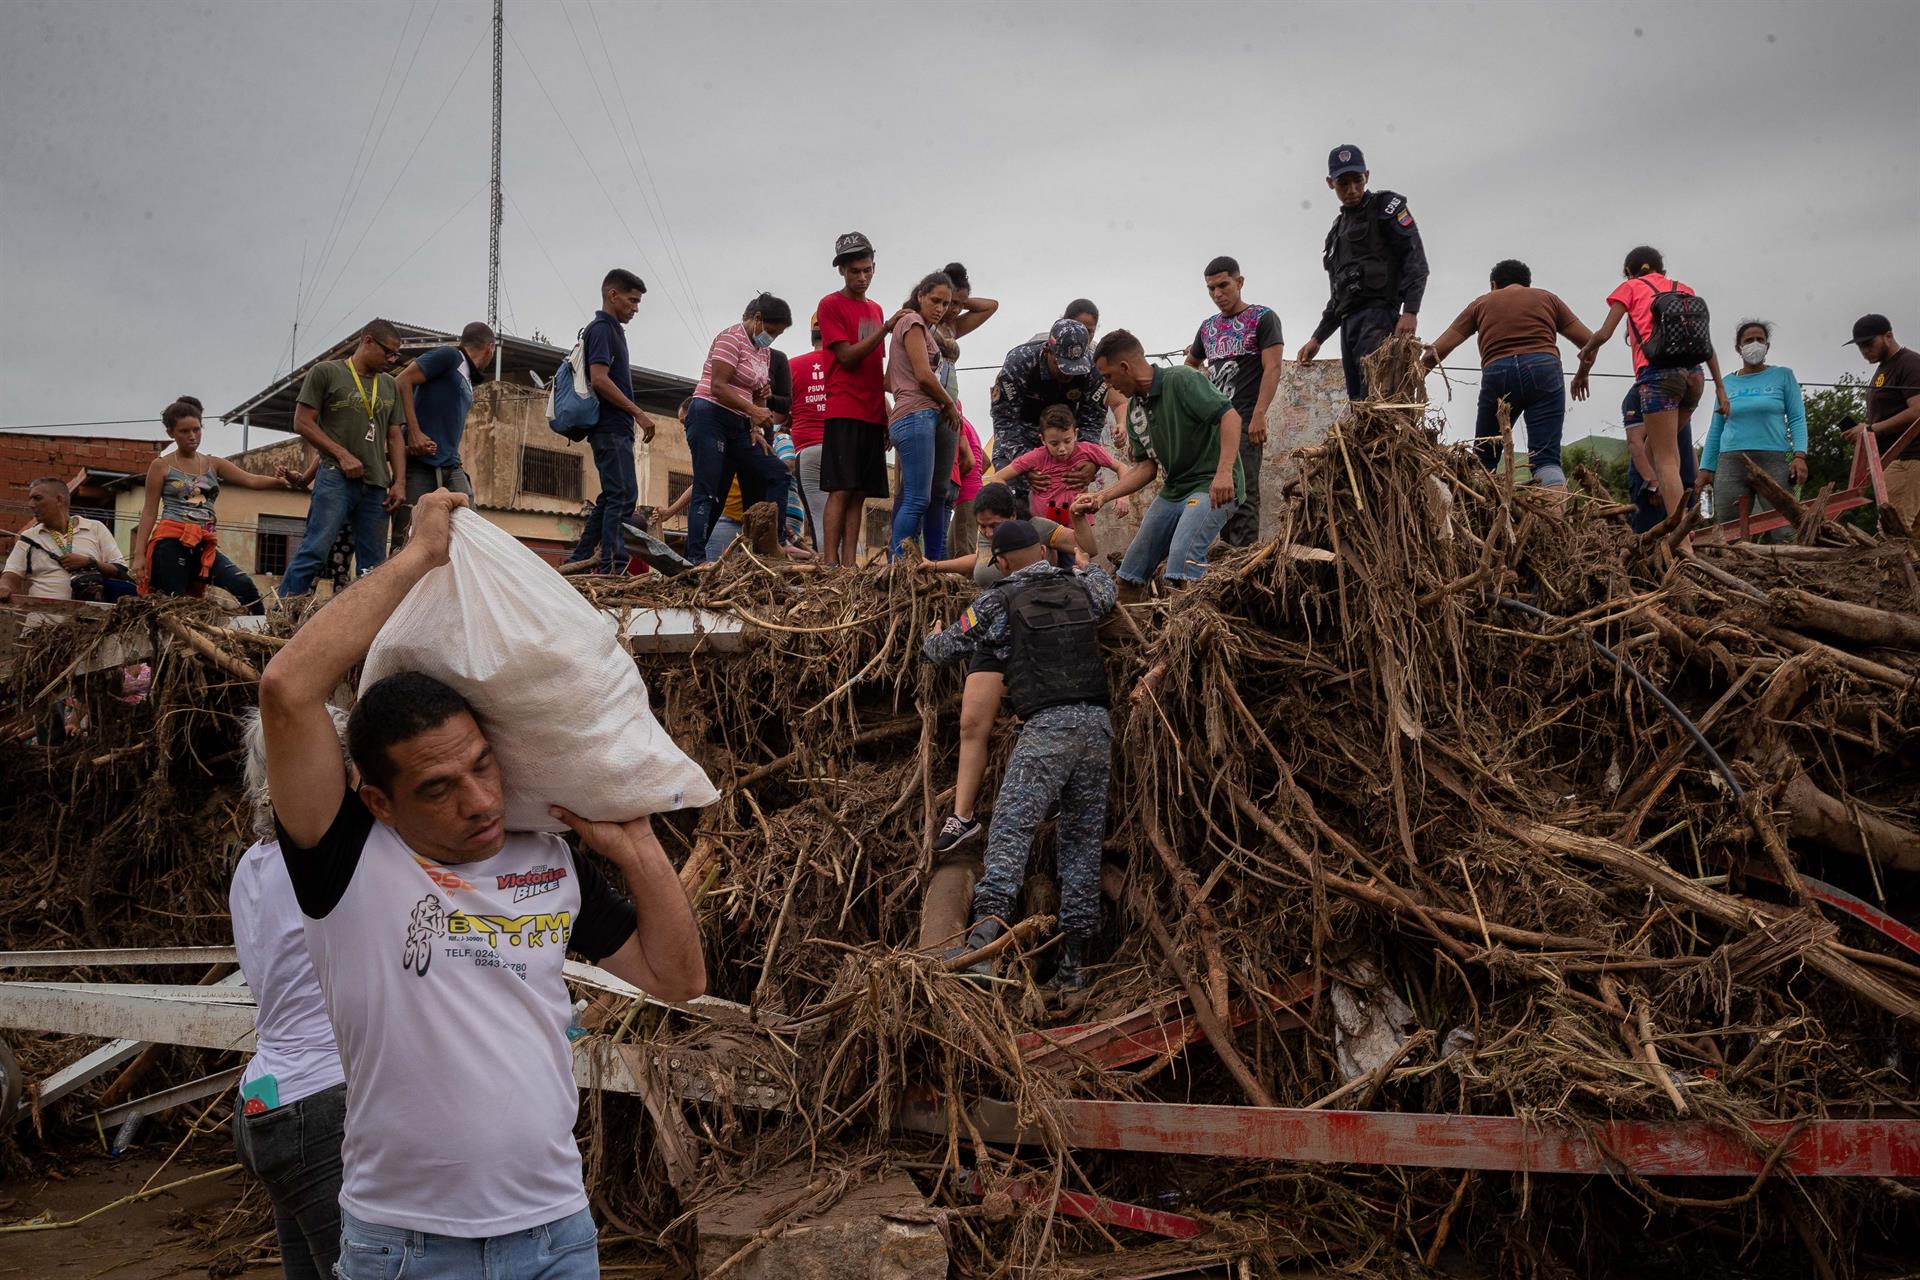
[1754, 353]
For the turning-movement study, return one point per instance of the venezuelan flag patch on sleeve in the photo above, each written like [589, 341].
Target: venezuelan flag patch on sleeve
[968, 621]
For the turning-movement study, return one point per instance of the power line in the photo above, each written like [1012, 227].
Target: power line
[340, 205]
[99, 422]
[650, 190]
[539, 244]
[595, 174]
[378, 127]
[401, 174]
[431, 237]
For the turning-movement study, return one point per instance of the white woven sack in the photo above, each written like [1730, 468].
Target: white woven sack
[561, 701]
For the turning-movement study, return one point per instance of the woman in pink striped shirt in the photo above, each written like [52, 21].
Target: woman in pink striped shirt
[728, 421]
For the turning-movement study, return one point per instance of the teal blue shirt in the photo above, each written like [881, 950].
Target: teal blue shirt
[1768, 417]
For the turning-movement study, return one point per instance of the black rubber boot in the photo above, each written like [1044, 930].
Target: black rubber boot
[983, 932]
[1069, 974]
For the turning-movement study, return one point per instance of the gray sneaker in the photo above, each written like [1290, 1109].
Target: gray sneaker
[955, 832]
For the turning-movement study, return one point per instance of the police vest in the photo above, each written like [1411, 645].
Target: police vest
[1358, 258]
[1056, 657]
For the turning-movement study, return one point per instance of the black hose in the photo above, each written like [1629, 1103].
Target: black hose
[1679, 716]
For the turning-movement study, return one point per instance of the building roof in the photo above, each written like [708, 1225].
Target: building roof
[89, 465]
[522, 360]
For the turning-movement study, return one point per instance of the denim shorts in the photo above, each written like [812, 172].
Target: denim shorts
[1663, 390]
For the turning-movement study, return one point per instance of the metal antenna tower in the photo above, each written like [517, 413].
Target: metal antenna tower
[493, 227]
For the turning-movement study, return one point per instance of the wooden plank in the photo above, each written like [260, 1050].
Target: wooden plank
[1817, 1148]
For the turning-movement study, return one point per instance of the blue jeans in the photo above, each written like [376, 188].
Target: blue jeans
[914, 444]
[721, 445]
[565, 1249]
[338, 502]
[605, 535]
[1532, 387]
[1179, 533]
[725, 530]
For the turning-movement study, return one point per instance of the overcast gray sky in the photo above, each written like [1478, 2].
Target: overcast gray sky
[165, 166]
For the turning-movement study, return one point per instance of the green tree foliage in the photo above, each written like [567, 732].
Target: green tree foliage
[1611, 469]
[1829, 452]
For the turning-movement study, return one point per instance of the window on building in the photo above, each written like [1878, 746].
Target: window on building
[275, 539]
[552, 472]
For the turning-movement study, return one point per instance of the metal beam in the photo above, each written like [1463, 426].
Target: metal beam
[155, 1103]
[78, 1072]
[116, 957]
[1815, 1148]
[203, 1017]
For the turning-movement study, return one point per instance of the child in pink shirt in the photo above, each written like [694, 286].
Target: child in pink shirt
[1061, 449]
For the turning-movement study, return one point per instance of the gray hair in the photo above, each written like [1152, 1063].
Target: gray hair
[255, 739]
[54, 483]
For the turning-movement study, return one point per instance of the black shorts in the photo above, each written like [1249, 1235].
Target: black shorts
[984, 661]
[854, 456]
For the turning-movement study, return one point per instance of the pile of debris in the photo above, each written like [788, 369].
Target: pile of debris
[1463, 846]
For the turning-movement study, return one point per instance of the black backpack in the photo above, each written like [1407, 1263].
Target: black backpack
[1682, 334]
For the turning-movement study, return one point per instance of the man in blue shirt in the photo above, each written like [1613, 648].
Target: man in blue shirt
[611, 377]
[436, 393]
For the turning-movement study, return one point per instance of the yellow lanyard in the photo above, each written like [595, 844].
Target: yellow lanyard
[373, 404]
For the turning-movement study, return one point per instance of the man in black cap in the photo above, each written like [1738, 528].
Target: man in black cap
[1042, 623]
[1377, 266]
[853, 454]
[1893, 407]
[1056, 369]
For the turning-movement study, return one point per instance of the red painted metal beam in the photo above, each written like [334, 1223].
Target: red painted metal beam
[1816, 1148]
[1151, 1030]
[1860, 909]
[1866, 483]
[1117, 1213]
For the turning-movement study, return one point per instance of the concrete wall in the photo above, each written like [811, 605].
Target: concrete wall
[1310, 400]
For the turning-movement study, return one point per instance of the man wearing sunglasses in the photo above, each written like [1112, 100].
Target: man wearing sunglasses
[350, 411]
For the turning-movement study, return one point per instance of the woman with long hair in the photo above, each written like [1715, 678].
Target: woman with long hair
[176, 550]
[921, 406]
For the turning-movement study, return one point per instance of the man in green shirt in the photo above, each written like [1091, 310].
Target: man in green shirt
[350, 411]
[1181, 429]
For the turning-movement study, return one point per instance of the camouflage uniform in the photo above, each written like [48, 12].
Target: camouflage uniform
[1064, 754]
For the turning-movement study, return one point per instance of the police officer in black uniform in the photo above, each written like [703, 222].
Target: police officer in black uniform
[1376, 265]
[1043, 623]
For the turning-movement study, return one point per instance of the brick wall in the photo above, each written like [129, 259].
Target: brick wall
[25, 457]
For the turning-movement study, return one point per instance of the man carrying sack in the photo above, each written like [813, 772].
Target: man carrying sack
[438, 938]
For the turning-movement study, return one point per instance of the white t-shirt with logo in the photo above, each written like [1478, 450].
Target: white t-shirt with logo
[444, 985]
[295, 1040]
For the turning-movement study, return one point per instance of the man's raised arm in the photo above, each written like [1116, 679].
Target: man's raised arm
[304, 770]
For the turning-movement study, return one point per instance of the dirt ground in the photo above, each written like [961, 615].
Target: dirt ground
[151, 1239]
[147, 1240]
